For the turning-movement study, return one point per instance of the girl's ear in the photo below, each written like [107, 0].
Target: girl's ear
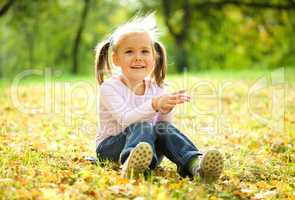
[115, 59]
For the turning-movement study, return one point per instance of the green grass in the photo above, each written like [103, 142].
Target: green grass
[42, 151]
[232, 74]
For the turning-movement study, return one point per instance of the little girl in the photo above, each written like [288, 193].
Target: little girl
[135, 113]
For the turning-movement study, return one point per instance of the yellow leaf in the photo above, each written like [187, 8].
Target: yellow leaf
[261, 185]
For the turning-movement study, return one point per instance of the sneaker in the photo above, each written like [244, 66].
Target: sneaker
[138, 160]
[211, 166]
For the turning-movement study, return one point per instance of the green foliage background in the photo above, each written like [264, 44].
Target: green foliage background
[40, 34]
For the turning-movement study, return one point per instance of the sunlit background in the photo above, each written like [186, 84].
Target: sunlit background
[198, 35]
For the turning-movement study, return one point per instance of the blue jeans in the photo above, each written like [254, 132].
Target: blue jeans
[165, 139]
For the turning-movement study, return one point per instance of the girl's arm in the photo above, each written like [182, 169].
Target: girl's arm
[120, 109]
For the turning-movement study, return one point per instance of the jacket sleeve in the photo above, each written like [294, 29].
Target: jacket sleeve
[166, 117]
[119, 107]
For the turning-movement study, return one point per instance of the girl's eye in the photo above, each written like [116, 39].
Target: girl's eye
[128, 51]
[145, 51]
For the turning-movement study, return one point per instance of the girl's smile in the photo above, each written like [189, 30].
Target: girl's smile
[137, 67]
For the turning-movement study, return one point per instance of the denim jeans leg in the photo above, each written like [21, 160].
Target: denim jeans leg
[139, 132]
[175, 146]
[159, 153]
[111, 147]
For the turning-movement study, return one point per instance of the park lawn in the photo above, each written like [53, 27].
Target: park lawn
[47, 129]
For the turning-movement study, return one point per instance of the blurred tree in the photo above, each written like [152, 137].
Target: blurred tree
[197, 34]
[6, 6]
[188, 17]
[3, 10]
[180, 32]
[78, 36]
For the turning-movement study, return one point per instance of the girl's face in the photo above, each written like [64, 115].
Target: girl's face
[134, 54]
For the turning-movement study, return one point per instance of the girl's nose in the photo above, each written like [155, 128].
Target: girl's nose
[138, 57]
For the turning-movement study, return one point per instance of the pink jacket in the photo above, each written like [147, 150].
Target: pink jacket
[119, 107]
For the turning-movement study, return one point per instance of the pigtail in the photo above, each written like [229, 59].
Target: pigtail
[102, 61]
[161, 63]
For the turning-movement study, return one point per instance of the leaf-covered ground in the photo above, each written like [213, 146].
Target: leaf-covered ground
[47, 129]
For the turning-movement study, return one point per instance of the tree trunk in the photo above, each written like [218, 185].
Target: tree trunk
[180, 37]
[181, 57]
[6, 7]
[77, 40]
[3, 11]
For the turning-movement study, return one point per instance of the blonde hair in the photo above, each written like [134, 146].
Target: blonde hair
[146, 24]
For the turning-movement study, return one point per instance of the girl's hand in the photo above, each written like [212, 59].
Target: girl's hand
[165, 103]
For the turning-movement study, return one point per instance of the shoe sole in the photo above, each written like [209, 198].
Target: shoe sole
[139, 160]
[211, 166]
